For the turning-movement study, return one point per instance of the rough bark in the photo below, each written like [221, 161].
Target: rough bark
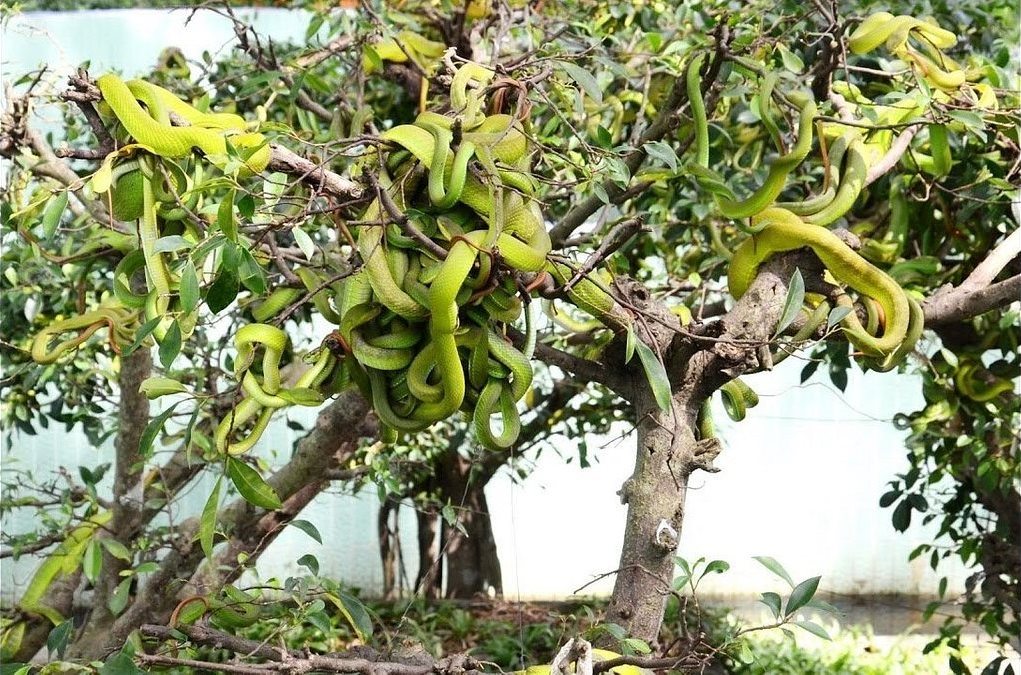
[132, 417]
[472, 564]
[655, 497]
[668, 449]
[429, 581]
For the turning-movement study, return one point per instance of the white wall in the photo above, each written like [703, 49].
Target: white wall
[800, 480]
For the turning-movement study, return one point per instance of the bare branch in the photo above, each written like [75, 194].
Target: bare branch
[313, 175]
[892, 156]
[998, 258]
[962, 303]
[293, 661]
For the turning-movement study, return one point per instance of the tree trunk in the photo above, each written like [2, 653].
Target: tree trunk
[472, 564]
[132, 418]
[655, 497]
[668, 451]
[389, 546]
[429, 582]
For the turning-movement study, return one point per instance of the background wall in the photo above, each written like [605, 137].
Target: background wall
[801, 476]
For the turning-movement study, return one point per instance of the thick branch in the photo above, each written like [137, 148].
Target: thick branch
[313, 175]
[892, 156]
[960, 303]
[304, 661]
[998, 258]
[132, 417]
[339, 426]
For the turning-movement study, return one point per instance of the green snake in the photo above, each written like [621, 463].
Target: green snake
[897, 33]
[895, 319]
[423, 330]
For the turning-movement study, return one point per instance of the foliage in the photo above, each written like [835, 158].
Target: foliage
[851, 651]
[600, 90]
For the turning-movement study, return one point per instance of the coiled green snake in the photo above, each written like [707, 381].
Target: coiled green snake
[423, 333]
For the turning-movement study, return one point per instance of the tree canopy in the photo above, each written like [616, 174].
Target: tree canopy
[458, 230]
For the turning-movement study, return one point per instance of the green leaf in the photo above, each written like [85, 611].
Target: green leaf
[449, 514]
[56, 641]
[311, 562]
[246, 207]
[225, 217]
[251, 273]
[117, 549]
[189, 289]
[836, 315]
[661, 151]
[717, 567]
[304, 242]
[92, 561]
[629, 344]
[791, 61]
[655, 373]
[889, 498]
[120, 664]
[319, 620]
[51, 216]
[792, 304]
[355, 613]
[776, 568]
[251, 486]
[147, 567]
[207, 524]
[773, 601]
[222, 291]
[823, 606]
[170, 244]
[584, 79]
[635, 646]
[801, 594]
[170, 347]
[901, 518]
[154, 387]
[813, 628]
[120, 596]
[144, 331]
[152, 430]
[308, 528]
[373, 57]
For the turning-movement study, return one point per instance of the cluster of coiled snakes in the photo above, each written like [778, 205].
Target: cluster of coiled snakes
[448, 246]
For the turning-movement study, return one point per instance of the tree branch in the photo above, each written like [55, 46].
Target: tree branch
[339, 426]
[313, 175]
[294, 661]
[893, 155]
[961, 303]
[998, 258]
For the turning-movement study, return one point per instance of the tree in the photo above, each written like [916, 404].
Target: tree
[416, 178]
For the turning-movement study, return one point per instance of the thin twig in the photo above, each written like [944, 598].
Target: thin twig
[618, 235]
[403, 222]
